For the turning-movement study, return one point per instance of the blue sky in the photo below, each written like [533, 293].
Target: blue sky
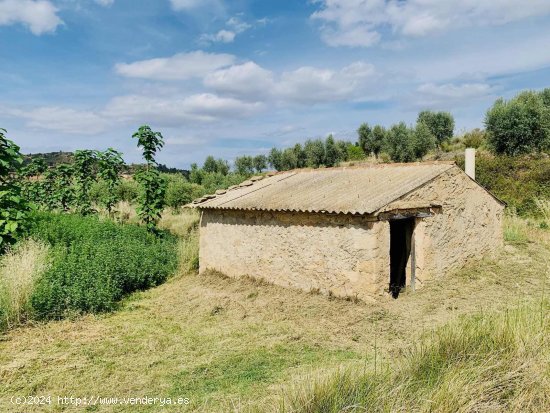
[239, 77]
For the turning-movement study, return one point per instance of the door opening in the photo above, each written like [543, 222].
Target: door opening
[401, 232]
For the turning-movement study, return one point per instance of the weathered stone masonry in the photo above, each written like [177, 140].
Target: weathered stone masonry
[347, 254]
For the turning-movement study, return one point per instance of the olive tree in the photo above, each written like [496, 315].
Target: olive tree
[440, 124]
[399, 143]
[520, 125]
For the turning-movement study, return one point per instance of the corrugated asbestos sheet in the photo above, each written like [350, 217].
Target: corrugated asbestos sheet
[353, 190]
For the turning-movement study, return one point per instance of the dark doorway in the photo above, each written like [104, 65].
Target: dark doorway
[401, 231]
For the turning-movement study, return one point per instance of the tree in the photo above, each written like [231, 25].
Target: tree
[355, 153]
[518, 126]
[441, 124]
[400, 143]
[210, 164]
[422, 140]
[244, 165]
[13, 206]
[288, 160]
[378, 139]
[64, 194]
[84, 173]
[222, 166]
[301, 158]
[315, 153]
[260, 163]
[31, 184]
[196, 175]
[274, 158]
[343, 149]
[545, 96]
[110, 165]
[332, 152]
[151, 202]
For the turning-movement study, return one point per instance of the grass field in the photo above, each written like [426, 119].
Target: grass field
[243, 345]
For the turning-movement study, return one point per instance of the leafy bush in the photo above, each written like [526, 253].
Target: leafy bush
[96, 263]
[180, 192]
[475, 138]
[518, 181]
[128, 190]
[99, 192]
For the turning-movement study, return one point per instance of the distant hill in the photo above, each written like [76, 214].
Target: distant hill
[55, 158]
[51, 158]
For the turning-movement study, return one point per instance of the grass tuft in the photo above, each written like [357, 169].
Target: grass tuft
[496, 361]
[19, 269]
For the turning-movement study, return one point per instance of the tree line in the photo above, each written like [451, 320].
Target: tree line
[400, 142]
[516, 126]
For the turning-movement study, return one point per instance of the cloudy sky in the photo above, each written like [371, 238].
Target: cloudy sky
[239, 77]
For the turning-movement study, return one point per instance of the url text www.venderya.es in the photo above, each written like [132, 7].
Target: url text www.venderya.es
[98, 401]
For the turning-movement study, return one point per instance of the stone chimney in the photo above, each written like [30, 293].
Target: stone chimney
[470, 163]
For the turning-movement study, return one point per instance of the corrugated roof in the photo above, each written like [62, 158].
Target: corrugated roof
[348, 190]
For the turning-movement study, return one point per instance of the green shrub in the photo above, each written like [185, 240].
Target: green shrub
[519, 181]
[96, 263]
[99, 192]
[180, 192]
[128, 190]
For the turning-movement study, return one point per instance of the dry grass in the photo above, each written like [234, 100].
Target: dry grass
[486, 362]
[180, 223]
[19, 268]
[543, 205]
[235, 345]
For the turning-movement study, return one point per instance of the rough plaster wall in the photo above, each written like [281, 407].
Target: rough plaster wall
[469, 225]
[344, 255]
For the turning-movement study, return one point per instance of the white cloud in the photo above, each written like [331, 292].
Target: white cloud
[448, 95]
[105, 3]
[234, 26]
[313, 85]
[178, 67]
[189, 5]
[305, 85]
[359, 22]
[175, 111]
[61, 119]
[238, 25]
[40, 16]
[247, 80]
[223, 36]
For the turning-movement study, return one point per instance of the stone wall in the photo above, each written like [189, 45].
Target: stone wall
[338, 254]
[347, 255]
[468, 226]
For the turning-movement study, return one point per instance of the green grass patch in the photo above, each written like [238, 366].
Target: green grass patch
[240, 373]
[96, 263]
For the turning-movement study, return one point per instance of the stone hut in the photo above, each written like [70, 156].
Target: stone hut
[350, 231]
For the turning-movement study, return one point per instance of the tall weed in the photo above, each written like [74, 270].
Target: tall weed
[19, 269]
